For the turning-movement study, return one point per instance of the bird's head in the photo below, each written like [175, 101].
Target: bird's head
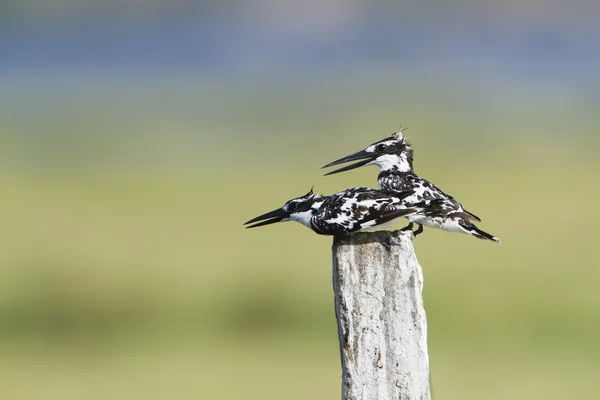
[392, 153]
[299, 209]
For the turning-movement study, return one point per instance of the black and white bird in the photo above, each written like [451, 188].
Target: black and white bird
[343, 213]
[394, 157]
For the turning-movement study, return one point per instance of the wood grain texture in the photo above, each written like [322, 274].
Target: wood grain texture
[381, 320]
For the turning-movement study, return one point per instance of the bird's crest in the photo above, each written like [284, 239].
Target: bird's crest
[399, 135]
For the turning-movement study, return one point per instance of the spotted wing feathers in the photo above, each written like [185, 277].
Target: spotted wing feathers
[425, 194]
[357, 209]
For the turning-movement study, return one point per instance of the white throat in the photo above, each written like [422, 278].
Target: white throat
[395, 162]
[302, 217]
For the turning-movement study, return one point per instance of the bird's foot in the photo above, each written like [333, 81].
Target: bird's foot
[419, 230]
[408, 227]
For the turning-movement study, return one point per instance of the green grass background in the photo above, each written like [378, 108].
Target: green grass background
[126, 273]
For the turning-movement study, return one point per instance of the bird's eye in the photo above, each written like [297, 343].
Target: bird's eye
[292, 206]
[380, 147]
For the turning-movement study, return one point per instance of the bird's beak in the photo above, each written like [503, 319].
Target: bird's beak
[268, 218]
[364, 155]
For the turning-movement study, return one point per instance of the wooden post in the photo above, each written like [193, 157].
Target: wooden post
[382, 328]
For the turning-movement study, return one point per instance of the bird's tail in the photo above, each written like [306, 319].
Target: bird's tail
[478, 233]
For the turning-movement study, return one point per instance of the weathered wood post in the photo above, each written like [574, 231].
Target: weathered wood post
[382, 328]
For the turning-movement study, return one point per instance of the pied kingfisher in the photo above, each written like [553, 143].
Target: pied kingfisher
[394, 157]
[343, 213]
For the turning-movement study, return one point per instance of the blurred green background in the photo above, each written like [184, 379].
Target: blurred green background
[135, 142]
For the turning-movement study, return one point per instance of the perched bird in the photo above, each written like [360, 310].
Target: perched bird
[394, 157]
[343, 213]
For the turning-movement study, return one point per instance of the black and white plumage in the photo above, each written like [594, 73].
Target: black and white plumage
[343, 213]
[394, 157]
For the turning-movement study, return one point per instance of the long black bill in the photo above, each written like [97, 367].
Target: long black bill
[365, 156]
[269, 218]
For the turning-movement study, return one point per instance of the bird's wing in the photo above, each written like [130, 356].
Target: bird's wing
[387, 216]
[468, 215]
[352, 211]
[438, 200]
